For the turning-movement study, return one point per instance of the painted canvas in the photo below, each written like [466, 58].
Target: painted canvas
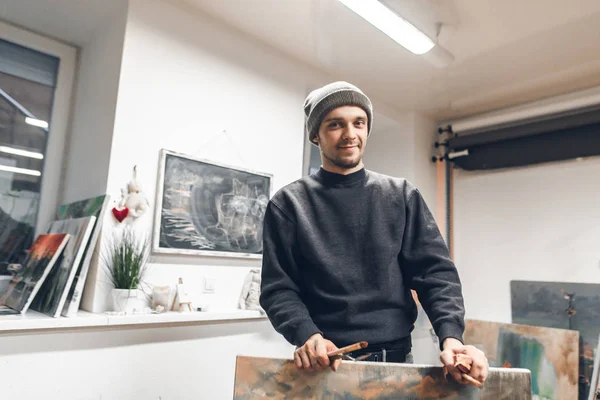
[53, 293]
[92, 207]
[562, 305]
[205, 208]
[44, 253]
[270, 378]
[552, 355]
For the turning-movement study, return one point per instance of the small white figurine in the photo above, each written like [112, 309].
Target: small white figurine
[249, 298]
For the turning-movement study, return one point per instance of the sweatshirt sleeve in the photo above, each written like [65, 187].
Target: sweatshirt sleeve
[280, 295]
[432, 273]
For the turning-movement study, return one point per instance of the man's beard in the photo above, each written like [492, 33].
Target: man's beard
[341, 163]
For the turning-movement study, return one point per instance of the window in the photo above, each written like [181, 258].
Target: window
[36, 77]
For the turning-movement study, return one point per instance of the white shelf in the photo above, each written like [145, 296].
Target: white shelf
[186, 316]
[35, 321]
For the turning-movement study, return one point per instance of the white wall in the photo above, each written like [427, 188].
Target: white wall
[402, 147]
[88, 151]
[425, 172]
[390, 146]
[146, 363]
[537, 223]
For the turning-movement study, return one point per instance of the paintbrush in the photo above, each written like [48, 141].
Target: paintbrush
[347, 349]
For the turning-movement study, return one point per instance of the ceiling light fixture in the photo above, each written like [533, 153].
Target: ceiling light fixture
[20, 170]
[387, 21]
[29, 117]
[36, 122]
[19, 152]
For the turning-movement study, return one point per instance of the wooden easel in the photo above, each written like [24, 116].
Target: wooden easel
[180, 295]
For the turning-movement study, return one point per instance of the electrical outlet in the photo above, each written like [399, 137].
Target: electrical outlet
[209, 285]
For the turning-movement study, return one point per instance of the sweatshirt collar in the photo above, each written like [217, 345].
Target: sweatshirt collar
[333, 179]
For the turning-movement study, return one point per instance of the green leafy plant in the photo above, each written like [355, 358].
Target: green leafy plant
[126, 259]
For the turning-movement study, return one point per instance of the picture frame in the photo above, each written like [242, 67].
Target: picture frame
[206, 208]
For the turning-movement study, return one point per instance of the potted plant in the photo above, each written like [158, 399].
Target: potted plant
[126, 261]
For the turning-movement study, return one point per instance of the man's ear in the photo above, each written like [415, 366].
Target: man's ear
[315, 140]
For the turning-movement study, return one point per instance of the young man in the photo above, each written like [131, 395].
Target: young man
[344, 247]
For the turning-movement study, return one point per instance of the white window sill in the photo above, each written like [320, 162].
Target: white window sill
[35, 321]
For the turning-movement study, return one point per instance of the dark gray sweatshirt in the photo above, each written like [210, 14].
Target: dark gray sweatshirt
[341, 253]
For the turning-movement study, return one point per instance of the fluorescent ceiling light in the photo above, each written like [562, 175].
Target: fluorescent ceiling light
[36, 122]
[20, 170]
[384, 19]
[19, 152]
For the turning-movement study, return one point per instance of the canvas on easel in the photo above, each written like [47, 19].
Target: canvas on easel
[41, 259]
[181, 297]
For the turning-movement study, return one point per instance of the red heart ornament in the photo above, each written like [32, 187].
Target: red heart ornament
[120, 215]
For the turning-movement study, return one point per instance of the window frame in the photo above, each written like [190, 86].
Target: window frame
[52, 185]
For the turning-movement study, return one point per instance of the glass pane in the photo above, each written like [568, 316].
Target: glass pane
[27, 83]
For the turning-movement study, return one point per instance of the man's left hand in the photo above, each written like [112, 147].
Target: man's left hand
[479, 368]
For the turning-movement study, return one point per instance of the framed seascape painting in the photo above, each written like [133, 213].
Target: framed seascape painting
[209, 209]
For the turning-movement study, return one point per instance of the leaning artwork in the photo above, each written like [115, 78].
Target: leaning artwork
[28, 279]
[565, 305]
[206, 208]
[92, 207]
[550, 354]
[53, 292]
[271, 378]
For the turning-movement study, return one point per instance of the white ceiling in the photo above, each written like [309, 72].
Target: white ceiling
[71, 21]
[506, 51]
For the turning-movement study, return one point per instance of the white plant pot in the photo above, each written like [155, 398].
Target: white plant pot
[128, 301]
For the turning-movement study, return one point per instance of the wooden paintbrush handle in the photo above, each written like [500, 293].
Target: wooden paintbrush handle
[463, 364]
[472, 380]
[348, 349]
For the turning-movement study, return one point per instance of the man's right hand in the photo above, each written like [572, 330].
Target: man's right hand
[312, 356]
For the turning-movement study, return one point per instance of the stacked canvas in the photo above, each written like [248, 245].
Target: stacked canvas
[93, 207]
[52, 278]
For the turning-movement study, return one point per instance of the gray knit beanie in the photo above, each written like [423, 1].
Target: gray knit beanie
[337, 94]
